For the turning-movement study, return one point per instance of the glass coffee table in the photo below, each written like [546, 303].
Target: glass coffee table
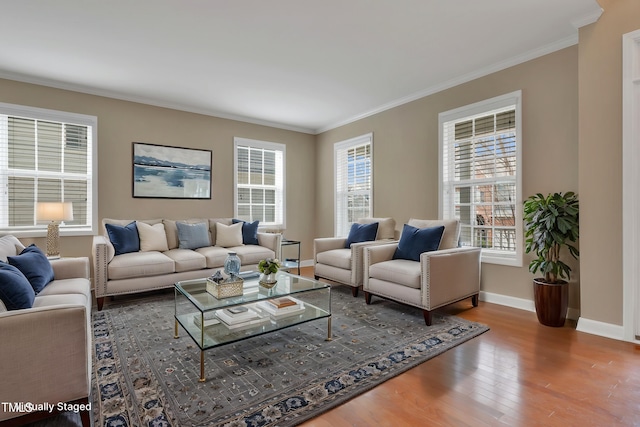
[213, 322]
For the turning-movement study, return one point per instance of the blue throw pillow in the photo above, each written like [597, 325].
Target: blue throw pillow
[193, 236]
[15, 290]
[124, 239]
[415, 241]
[362, 233]
[35, 266]
[249, 231]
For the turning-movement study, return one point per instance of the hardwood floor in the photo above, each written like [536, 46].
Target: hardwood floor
[520, 373]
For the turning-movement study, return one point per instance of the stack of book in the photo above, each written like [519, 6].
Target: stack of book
[240, 317]
[282, 307]
[210, 318]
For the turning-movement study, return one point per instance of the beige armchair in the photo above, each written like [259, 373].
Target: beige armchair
[441, 277]
[333, 261]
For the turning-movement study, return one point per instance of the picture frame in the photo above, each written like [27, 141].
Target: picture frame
[168, 172]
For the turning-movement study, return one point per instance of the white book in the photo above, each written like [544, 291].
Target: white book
[247, 324]
[207, 322]
[233, 318]
[290, 312]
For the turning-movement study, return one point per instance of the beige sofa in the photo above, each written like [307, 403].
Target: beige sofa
[149, 269]
[440, 277]
[45, 351]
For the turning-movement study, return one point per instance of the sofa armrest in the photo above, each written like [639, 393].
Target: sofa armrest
[449, 275]
[100, 259]
[271, 241]
[323, 244]
[70, 268]
[45, 355]
[357, 258]
[378, 253]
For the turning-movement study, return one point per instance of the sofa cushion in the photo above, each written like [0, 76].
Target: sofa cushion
[152, 237]
[249, 231]
[186, 259]
[253, 254]
[215, 255]
[451, 230]
[361, 233]
[76, 285]
[35, 266]
[228, 236]
[139, 264]
[415, 241]
[59, 299]
[16, 292]
[193, 236]
[400, 271]
[9, 246]
[340, 258]
[124, 239]
[386, 227]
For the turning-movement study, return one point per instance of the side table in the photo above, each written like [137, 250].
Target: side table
[289, 263]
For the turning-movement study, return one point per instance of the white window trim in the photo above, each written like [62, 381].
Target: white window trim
[513, 98]
[267, 146]
[358, 140]
[62, 116]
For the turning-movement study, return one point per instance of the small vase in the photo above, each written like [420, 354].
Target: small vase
[232, 265]
[268, 280]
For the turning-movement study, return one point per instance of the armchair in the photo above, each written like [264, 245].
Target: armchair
[441, 277]
[335, 262]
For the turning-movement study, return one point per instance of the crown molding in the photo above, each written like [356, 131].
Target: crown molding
[519, 59]
[587, 19]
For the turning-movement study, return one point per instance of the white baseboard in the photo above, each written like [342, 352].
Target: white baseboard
[596, 327]
[306, 263]
[593, 327]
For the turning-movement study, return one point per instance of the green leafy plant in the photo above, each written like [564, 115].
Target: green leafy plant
[269, 265]
[551, 223]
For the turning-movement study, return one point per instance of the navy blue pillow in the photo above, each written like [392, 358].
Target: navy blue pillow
[124, 239]
[35, 266]
[249, 231]
[415, 241]
[362, 233]
[15, 290]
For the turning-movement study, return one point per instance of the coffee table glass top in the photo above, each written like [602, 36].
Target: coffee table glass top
[194, 306]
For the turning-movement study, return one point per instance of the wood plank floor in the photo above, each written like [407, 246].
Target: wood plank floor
[520, 373]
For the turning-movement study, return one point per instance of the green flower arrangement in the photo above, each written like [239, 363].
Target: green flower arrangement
[269, 265]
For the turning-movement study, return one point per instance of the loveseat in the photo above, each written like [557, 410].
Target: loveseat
[169, 251]
[45, 340]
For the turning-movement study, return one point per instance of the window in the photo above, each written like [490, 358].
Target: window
[353, 162]
[480, 182]
[46, 156]
[259, 179]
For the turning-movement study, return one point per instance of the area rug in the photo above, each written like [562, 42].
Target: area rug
[145, 377]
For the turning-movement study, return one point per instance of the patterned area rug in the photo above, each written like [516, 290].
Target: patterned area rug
[145, 377]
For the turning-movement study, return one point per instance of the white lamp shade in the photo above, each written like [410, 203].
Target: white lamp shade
[54, 211]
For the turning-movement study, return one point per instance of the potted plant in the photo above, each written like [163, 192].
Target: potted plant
[551, 227]
[268, 267]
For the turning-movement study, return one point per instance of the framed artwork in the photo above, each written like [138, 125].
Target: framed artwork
[166, 172]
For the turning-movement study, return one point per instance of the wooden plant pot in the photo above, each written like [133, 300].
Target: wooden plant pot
[552, 302]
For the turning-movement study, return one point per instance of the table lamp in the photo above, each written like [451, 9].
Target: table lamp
[54, 212]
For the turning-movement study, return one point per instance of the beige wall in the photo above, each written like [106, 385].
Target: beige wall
[600, 160]
[120, 123]
[406, 151]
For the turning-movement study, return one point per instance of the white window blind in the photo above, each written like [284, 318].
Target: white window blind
[480, 180]
[45, 156]
[260, 181]
[353, 163]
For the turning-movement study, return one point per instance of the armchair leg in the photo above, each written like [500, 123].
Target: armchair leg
[367, 297]
[100, 302]
[474, 300]
[354, 291]
[316, 277]
[427, 317]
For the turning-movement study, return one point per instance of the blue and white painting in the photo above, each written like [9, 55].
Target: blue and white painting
[171, 172]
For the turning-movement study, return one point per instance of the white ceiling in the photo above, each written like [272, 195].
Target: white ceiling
[306, 65]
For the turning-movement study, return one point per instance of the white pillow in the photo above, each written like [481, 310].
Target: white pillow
[228, 235]
[152, 237]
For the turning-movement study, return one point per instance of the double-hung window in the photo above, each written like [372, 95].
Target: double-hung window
[480, 182]
[260, 182]
[353, 163]
[46, 156]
